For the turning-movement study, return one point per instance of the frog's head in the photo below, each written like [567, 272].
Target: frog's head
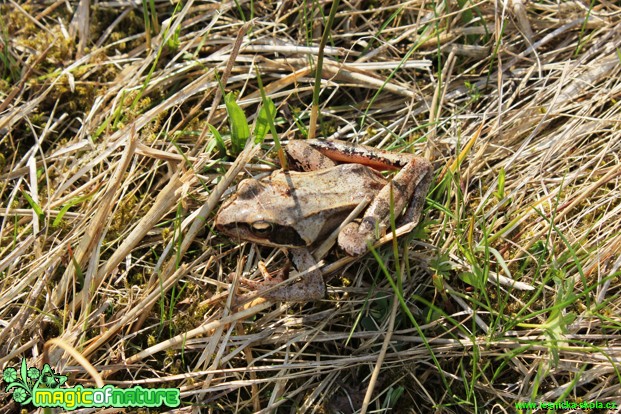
[264, 213]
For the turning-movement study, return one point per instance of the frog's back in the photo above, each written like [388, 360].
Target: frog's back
[344, 183]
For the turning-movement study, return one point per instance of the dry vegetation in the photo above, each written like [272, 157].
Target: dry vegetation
[111, 178]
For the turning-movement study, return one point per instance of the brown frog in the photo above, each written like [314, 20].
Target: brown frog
[297, 210]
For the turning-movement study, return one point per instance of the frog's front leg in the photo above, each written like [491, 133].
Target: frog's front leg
[410, 184]
[311, 287]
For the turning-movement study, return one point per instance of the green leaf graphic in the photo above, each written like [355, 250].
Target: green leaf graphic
[61, 379]
[23, 372]
[22, 393]
[48, 377]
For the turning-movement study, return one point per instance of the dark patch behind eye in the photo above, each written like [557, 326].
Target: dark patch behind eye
[286, 236]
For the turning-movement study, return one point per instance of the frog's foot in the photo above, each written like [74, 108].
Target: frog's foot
[253, 297]
[309, 288]
[310, 285]
[354, 237]
[269, 279]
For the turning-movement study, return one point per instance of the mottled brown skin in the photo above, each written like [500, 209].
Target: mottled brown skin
[296, 209]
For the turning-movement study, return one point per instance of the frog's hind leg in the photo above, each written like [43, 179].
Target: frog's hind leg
[310, 287]
[417, 201]
[306, 157]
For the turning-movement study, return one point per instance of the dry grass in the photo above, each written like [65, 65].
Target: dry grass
[111, 178]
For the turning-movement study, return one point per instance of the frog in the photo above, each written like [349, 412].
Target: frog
[296, 210]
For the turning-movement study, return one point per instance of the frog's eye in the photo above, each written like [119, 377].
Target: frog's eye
[262, 228]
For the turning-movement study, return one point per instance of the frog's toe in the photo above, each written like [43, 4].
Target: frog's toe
[353, 240]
